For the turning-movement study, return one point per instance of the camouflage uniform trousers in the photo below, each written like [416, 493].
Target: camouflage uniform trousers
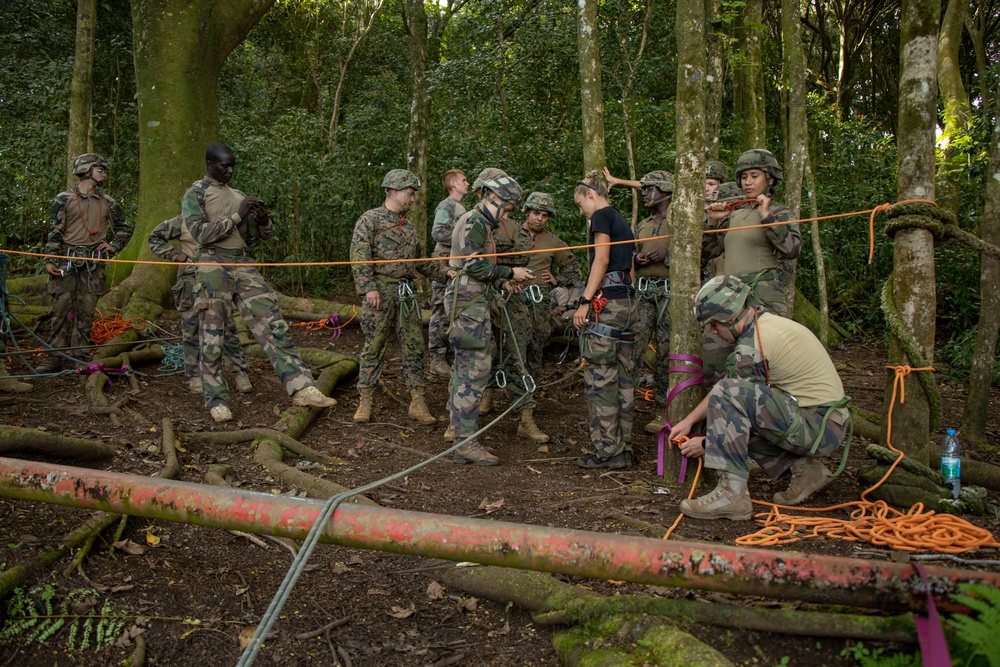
[748, 419]
[511, 316]
[607, 376]
[654, 318]
[437, 326]
[183, 292]
[74, 300]
[399, 314]
[220, 289]
[471, 338]
[715, 351]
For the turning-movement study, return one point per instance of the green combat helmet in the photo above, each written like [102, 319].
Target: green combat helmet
[540, 201]
[84, 163]
[758, 158]
[721, 299]
[717, 170]
[506, 188]
[728, 192]
[659, 179]
[400, 179]
[487, 174]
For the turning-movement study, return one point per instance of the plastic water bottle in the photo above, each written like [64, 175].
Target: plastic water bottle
[951, 464]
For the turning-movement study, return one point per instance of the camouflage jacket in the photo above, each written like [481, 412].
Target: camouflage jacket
[210, 212]
[380, 234]
[508, 238]
[446, 215]
[78, 219]
[562, 263]
[161, 236]
[473, 238]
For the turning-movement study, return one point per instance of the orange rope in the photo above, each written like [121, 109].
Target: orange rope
[694, 485]
[873, 522]
[325, 324]
[107, 327]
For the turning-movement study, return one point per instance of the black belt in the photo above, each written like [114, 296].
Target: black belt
[604, 331]
[615, 278]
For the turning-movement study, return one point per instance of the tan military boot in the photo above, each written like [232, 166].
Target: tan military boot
[194, 385]
[474, 454]
[808, 477]
[439, 366]
[242, 382]
[449, 434]
[364, 412]
[311, 397]
[486, 404]
[418, 408]
[655, 425]
[528, 427]
[729, 500]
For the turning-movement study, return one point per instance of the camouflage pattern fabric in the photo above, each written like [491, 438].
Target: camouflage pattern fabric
[607, 375]
[513, 331]
[220, 289]
[381, 234]
[74, 300]
[471, 336]
[749, 417]
[446, 215]
[654, 319]
[540, 328]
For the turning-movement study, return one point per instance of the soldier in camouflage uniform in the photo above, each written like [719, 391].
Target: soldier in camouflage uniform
[224, 222]
[715, 175]
[183, 291]
[607, 313]
[652, 270]
[381, 235]
[79, 224]
[781, 404]
[467, 305]
[446, 215]
[759, 256]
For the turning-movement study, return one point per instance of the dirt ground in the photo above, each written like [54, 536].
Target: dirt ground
[200, 587]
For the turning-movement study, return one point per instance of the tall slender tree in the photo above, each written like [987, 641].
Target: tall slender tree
[591, 95]
[957, 112]
[714, 78]
[751, 77]
[82, 86]
[913, 287]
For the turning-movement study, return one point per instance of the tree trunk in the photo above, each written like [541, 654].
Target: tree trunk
[591, 97]
[420, 111]
[688, 208]
[984, 359]
[823, 302]
[957, 111]
[81, 94]
[179, 49]
[752, 78]
[979, 47]
[913, 257]
[716, 67]
[797, 136]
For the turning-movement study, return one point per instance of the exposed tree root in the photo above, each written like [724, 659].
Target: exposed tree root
[138, 656]
[14, 438]
[269, 454]
[864, 427]
[650, 529]
[250, 434]
[979, 473]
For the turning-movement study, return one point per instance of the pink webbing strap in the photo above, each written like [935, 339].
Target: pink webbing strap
[933, 646]
[95, 367]
[334, 321]
[695, 380]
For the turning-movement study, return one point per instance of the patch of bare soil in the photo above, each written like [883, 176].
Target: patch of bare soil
[201, 588]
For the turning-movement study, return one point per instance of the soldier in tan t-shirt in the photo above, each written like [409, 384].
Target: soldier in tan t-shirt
[781, 404]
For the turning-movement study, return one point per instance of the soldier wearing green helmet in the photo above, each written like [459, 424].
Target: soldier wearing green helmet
[467, 305]
[715, 175]
[762, 255]
[652, 270]
[381, 236]
[80, 223]
[446, 215]
[781, 404]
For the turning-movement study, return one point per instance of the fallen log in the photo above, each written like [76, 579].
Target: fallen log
[730, 569]
[979, 473]
[16, 438]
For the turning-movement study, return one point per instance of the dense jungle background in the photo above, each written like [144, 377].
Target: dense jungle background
[317, 100]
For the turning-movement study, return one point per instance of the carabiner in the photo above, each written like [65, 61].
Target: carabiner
[501, 379]
[535, 293]
[643, 284]
[404, 289]
[529, 383]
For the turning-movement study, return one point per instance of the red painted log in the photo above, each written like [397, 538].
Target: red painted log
[776, 574]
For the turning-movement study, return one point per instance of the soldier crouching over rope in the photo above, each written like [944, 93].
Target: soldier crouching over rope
[224, 222]
[79, 225]
[781, 404]
[390, 302]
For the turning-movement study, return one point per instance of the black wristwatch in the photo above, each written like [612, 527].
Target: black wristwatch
[584, 301]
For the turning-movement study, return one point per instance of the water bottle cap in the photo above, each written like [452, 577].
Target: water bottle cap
[951, 431]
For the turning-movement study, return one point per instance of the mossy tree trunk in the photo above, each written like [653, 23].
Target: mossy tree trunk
[591, 97]
[81, 95]
[957, 111]
[913, 257]
[716, 67]
[981, 377]
[797, 136]
[415, 16]
[688, 207]
[751, 77]
[179, 49]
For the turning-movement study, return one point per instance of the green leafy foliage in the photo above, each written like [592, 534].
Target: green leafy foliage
[977, 638]
[38, 615]
[867, 657]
